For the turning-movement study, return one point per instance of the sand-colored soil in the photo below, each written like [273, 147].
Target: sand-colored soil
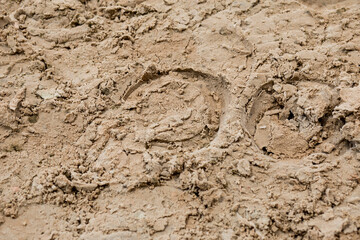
[165, 119]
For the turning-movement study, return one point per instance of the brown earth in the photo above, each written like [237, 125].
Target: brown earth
[165, 119]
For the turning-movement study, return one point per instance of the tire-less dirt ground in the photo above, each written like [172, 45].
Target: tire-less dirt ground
[165, 119]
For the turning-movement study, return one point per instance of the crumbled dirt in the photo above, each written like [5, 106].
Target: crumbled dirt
[165, 119]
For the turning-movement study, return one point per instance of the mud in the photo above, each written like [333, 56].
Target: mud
[164, 119]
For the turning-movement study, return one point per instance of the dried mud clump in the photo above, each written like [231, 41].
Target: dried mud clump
[174, 119]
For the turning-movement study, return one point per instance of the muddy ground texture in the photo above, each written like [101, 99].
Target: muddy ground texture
[165, 119]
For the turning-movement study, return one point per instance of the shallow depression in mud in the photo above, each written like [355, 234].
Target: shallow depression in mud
[290, 119]
[175, 108]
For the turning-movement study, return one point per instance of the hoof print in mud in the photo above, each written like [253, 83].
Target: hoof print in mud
[179, 107]
[291, 119]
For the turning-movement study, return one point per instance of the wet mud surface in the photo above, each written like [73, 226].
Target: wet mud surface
[165, 119]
